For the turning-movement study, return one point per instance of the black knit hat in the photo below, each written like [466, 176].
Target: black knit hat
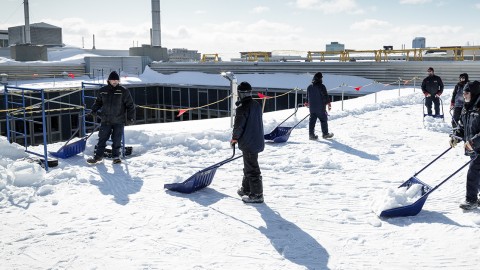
[430, 69]
[244, 86]
[113, 76]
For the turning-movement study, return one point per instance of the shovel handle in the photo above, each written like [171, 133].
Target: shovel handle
[73, 135]
[450, 148]
[224, 161]
[301, 121]
[91, 133]
[233, 147]
[451, 175]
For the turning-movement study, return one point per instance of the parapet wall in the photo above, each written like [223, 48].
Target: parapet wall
[383, 72]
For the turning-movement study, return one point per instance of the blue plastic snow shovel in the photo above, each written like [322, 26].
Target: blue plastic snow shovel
[200, 179]
[281, 134]
[415, 208]
[72, 149]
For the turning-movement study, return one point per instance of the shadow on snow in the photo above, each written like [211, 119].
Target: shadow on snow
[120, 183]
[290, 241]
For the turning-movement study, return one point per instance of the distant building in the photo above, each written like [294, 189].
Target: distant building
[335, 47]
[40, 34]
[261, 56]
[3, 38]
[155, 53]
[183, 55]
[418, 42]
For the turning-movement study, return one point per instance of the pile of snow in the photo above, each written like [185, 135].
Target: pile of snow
[396, 197]
[19, 175]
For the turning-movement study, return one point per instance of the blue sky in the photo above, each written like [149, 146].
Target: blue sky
[228, 27]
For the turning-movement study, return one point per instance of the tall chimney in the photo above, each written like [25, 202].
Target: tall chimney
[27, 22]
[156, 33]
[93, 42]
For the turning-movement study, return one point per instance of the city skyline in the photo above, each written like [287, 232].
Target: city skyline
[286, 27]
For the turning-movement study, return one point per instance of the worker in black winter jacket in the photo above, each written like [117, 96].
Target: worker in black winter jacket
[248, 133]
[432, 87]
[318, 101]
[469, 131]
[456, 104]
[111, 104]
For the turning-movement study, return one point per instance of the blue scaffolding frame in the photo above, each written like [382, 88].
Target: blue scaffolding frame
[22, 109]
[87, 110]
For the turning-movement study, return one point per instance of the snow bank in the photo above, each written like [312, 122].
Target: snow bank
[18, 175]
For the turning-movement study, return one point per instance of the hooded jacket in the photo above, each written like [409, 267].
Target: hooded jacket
[317, 97]
[470, 118]
[111, 104]
[248, 126]
[457, 95]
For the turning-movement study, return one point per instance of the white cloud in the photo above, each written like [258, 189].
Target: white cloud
[330, 6]
[200, 12]
[428, 30]
[265, 27]
[260, 9]
[304, 4]
[414, 2]
[477, 6]
[107, 36]
[230, 38]
[369, 24]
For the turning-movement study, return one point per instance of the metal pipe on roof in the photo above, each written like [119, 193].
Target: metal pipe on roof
[27, 22]
[156, 32]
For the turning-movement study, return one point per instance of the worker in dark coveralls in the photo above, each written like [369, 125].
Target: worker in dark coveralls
[318, 101]
[432, 87]
[248, 133]
[112, 103]
[469, 131]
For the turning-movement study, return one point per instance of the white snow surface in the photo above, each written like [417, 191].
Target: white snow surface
[322, 198]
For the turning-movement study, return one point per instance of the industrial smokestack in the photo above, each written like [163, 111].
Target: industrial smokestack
[27, 22]
[156, 33]
[93, 42]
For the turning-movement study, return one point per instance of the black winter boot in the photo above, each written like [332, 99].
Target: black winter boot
[327, 136]
[253, 198]
[94, 160]
[256, 191]
[467, 205]
[241, 192]
[245, 189]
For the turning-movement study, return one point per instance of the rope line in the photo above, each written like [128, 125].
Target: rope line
[357, 88]
[174, 110]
